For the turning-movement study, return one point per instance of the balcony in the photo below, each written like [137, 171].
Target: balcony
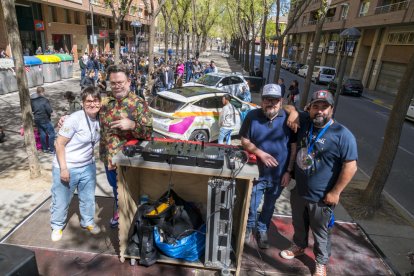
[392, 7]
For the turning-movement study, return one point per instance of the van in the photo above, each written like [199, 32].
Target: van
[323, 74]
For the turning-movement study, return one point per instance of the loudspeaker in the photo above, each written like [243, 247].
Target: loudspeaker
[16, 260]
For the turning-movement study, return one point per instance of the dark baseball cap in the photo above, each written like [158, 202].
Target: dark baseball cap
[322, 96]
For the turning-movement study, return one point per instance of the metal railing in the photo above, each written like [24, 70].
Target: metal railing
[392, 7]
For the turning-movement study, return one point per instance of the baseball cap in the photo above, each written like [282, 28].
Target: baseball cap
[272, 90]
[322, 96]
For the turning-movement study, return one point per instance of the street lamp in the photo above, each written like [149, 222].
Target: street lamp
[93, 30]
[136, 25]
[350, 34]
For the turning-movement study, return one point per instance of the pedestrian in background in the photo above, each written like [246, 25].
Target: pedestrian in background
[282, 85]
[42, 112]
[227, 120]
[74, 165]
[266, 134]
[325, 164]
[88, 80]
[294, 97]
[73, 101]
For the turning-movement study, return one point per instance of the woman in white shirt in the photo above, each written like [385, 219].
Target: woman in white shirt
[74, 165]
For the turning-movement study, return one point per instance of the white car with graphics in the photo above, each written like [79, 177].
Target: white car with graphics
[192, 113]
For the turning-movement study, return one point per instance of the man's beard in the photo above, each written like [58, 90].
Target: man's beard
[270, 112]
[320, 120]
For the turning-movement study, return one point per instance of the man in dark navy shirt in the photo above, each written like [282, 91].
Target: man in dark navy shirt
[264, 133]
[325, 163]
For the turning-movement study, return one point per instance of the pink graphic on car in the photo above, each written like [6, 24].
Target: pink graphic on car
[182, 126]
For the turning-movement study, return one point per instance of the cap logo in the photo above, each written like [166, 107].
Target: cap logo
[322, 94]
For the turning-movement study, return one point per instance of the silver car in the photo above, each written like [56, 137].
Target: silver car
[231, 83]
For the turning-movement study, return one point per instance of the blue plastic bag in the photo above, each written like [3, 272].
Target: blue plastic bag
[189, 248]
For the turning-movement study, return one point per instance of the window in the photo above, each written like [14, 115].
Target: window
[226, 81]
[52, 14]
[76, 16]
[66, 16]
[213, 102]
[132, 10]
[235, 80]
[364, 8]
[344, 13]
[166, 104]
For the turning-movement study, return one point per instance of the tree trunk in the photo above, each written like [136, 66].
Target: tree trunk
[279, 58]
[246, 55]
[263, 42]
[10, 18]
[151, 55]
[117, 42]
[317, 39]
[252, 56]
[372, 193]
[165, 41]
[182, 45]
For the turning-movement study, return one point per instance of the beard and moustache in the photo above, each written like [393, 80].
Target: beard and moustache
[270, 112]
[320, 120]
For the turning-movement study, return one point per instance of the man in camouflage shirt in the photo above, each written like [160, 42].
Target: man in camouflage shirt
[123, 116]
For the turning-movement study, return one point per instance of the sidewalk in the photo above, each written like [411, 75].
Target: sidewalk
[19, 195]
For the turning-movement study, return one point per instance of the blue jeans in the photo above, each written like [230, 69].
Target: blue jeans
[188, 75]
[83, 179]
[111, 175]
[46, 128]
[271, 193]
[225, 133]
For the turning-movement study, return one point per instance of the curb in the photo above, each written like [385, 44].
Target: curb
[377, 102]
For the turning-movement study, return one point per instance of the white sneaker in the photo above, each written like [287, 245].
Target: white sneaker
[56, 235]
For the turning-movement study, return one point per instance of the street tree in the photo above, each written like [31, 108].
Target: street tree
[119, 10]
[166, 11]
[297, 8]
[320, 20]
[13, 36]
[371, 197]
[181, 13]
[154, 8]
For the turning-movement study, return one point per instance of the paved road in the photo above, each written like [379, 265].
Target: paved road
[367, 120]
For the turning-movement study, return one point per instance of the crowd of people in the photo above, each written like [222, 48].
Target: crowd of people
[309, 145]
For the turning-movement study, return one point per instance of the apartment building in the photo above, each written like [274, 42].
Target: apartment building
[69, 24]
[379, 57]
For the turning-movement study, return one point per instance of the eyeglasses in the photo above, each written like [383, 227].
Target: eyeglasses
[90, 102]
[119, 83]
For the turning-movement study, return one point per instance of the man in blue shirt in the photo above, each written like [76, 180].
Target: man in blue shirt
[264, 132]
[325, 163]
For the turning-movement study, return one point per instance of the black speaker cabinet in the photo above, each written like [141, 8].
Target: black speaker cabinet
[17, 261]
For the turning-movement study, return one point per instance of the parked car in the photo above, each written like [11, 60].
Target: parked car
[410, 111]
[272, 58]
[231, 83]
[303, 71]
[323, 74]
[285, 62]
[349, 86]
[192, 113]
[294, 68]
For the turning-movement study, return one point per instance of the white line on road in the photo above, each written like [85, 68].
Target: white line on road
[403, 149]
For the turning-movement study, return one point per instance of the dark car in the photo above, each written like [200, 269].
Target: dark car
[350, 86]
[295, 67]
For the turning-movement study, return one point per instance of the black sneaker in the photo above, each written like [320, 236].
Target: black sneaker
[262, 241]
[247, 235]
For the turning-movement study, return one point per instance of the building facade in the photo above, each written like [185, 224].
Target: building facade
[67, 25]
[378, 58]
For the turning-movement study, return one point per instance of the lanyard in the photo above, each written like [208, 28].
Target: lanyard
[311, 142]
[90, 130]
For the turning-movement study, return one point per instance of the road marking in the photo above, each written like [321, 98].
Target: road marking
[403, 149]
[364, 173]
[384, 114]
